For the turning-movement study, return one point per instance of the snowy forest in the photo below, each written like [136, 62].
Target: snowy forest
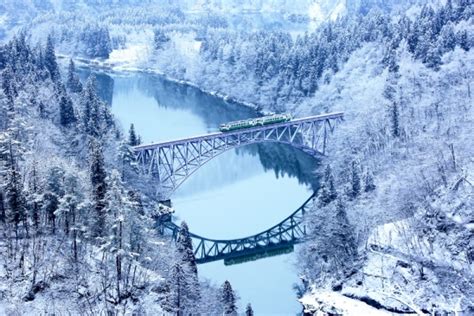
[392, 227]
[72, 225]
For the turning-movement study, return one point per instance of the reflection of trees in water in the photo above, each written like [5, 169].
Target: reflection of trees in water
[169, 94]
[286, 160]
[211, 109]
[283, 159]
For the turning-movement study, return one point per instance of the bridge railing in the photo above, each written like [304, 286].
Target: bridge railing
[322, 117]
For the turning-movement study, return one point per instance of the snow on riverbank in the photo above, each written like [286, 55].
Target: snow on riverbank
[140, 58]
[321, 303]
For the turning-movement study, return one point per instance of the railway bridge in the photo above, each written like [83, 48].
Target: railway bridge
[170, 163]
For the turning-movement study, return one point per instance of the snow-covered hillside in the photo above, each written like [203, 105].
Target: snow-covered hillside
[393, 227]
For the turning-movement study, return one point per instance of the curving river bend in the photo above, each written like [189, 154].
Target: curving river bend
[239, 193]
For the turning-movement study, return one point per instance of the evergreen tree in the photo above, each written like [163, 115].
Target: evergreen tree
[42, 110]
[97, 41]
[69, 203]
[54, 191]
[228, 299]
[96, 118]
[329, 179]
[184, 246]
[368, 182]
[175, 300]
[99, 188]
[127, 161]
[327, 190]
[8, 85]
[73, 83]
[136, 222]
[35, 200]
[463, 40]
[118, 211]
[132, 136]
[354, 189]
[185, 253]
[330, 252]
[72, 207]
[448, 11]
[66, 111]
[390, 60]
[160, 39]
[394, 117]
[92, 116]
[3, 57]
[50, 59]
[15, 202]
[3, 214]
[390, 94]
[433, 57]
[345, 234]
[248, 310]
[447, 39]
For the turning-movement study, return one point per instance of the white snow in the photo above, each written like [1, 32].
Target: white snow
[321, 302]
[338, 11]
[3, 19]
[137, 52]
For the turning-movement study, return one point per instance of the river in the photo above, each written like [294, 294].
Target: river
[240, 193]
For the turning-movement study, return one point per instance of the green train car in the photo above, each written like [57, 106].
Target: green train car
[259, 121]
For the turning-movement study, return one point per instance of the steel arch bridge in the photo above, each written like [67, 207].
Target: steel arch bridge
[274, 241]
[171, 163]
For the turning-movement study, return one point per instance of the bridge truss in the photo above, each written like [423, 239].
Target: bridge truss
[171, 163]
[278, 239]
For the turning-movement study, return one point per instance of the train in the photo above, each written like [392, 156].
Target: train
[259, 121]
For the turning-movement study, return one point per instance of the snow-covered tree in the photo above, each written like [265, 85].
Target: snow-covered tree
[249, 310]
[66, 111]
[184, 247]
[228, 299]
[355, 181]
[185, 255]
[369, 184]
[15, 202]
[132, 136]
[97, 41]
[327, 191]
[331, 251]
[176, 299]
[71, 205]
[50, 59]
[99, 188]
[53, 193]
[73, 83]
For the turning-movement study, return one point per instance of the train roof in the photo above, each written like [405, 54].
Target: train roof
[254, 118]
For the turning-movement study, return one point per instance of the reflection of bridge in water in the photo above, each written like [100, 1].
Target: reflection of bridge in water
[276, 240]
[169, 164]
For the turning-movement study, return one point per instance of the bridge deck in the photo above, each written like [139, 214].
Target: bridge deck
[259, 128]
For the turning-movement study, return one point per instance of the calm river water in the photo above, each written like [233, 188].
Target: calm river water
[237, 194]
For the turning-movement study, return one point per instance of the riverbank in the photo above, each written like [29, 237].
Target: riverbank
[111, 67]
